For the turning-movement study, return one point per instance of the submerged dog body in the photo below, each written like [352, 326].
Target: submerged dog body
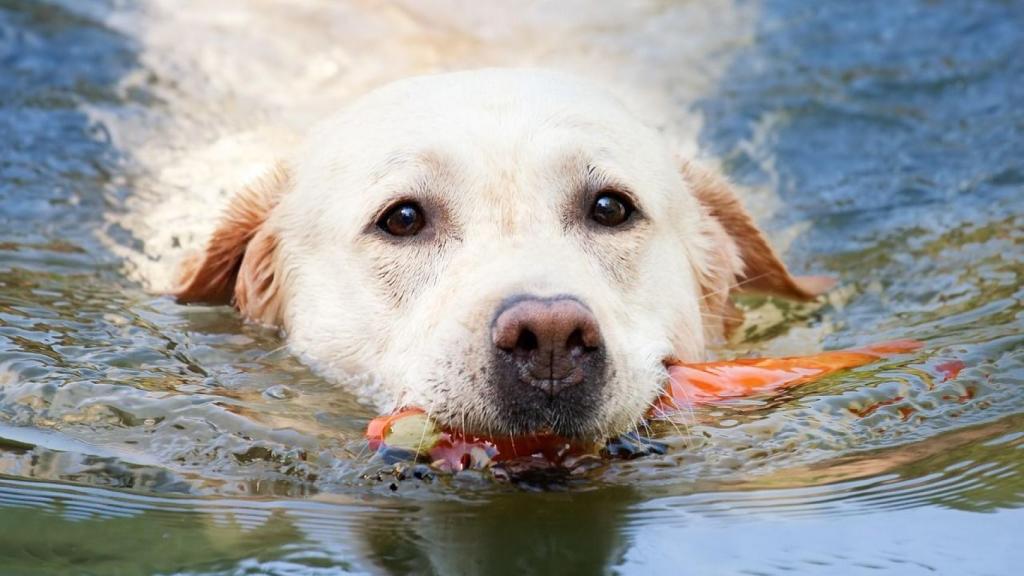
[510, 249]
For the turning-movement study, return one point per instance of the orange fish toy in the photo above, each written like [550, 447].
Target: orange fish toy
[409, 433]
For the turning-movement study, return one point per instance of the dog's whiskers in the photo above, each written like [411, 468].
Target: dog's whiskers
[732, 287]
[686, 433]
[427, 423]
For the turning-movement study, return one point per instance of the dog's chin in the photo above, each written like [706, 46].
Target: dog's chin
[556, 422]
[533, 412]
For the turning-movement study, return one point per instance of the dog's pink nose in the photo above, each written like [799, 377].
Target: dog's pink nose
[549, 338]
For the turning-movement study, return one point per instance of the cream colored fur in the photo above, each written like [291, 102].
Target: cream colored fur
[501, 159]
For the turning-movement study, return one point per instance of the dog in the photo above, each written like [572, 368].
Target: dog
[510, 249]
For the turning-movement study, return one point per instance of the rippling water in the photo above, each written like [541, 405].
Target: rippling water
[880, 141]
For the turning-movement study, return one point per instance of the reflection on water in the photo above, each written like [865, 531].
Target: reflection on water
[879, 140]
[907, 521]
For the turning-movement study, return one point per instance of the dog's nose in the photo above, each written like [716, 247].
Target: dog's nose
[550, 339]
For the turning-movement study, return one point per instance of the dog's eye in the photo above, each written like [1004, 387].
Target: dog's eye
[405, 219]
[611, 209]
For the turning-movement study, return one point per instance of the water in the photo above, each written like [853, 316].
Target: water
[879, 141]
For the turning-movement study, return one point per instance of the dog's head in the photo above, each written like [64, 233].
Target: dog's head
[511, 250]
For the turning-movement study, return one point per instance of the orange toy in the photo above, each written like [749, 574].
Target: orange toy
[409, 430]
[694, 384]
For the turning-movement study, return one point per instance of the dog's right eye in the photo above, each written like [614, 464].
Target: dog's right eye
[405, 219]
[611, 209]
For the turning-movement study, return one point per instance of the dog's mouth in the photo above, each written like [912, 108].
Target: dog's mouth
[566, 405]
[573, 406]
[571, 413]
[561, 416]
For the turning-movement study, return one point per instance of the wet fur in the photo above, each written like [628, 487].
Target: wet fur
[506, 162]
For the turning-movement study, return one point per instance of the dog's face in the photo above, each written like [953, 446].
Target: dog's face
[510, 250]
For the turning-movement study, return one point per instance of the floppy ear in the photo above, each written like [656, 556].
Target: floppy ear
[239, 265]
[750, 261]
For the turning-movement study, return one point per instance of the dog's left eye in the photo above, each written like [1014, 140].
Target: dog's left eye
[405, 219]
[611, 209]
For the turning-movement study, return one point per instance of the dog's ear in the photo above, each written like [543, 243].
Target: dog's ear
[239, 265]
[745, 260]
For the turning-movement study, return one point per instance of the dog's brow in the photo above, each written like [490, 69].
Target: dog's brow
[592, 173]
[574, 122]
[431, 162]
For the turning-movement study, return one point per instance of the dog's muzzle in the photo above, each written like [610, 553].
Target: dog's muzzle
[549, 364]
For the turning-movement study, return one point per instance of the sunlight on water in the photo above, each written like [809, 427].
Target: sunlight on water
[881, 144]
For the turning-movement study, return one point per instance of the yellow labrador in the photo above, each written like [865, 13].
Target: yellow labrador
[510, 249]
